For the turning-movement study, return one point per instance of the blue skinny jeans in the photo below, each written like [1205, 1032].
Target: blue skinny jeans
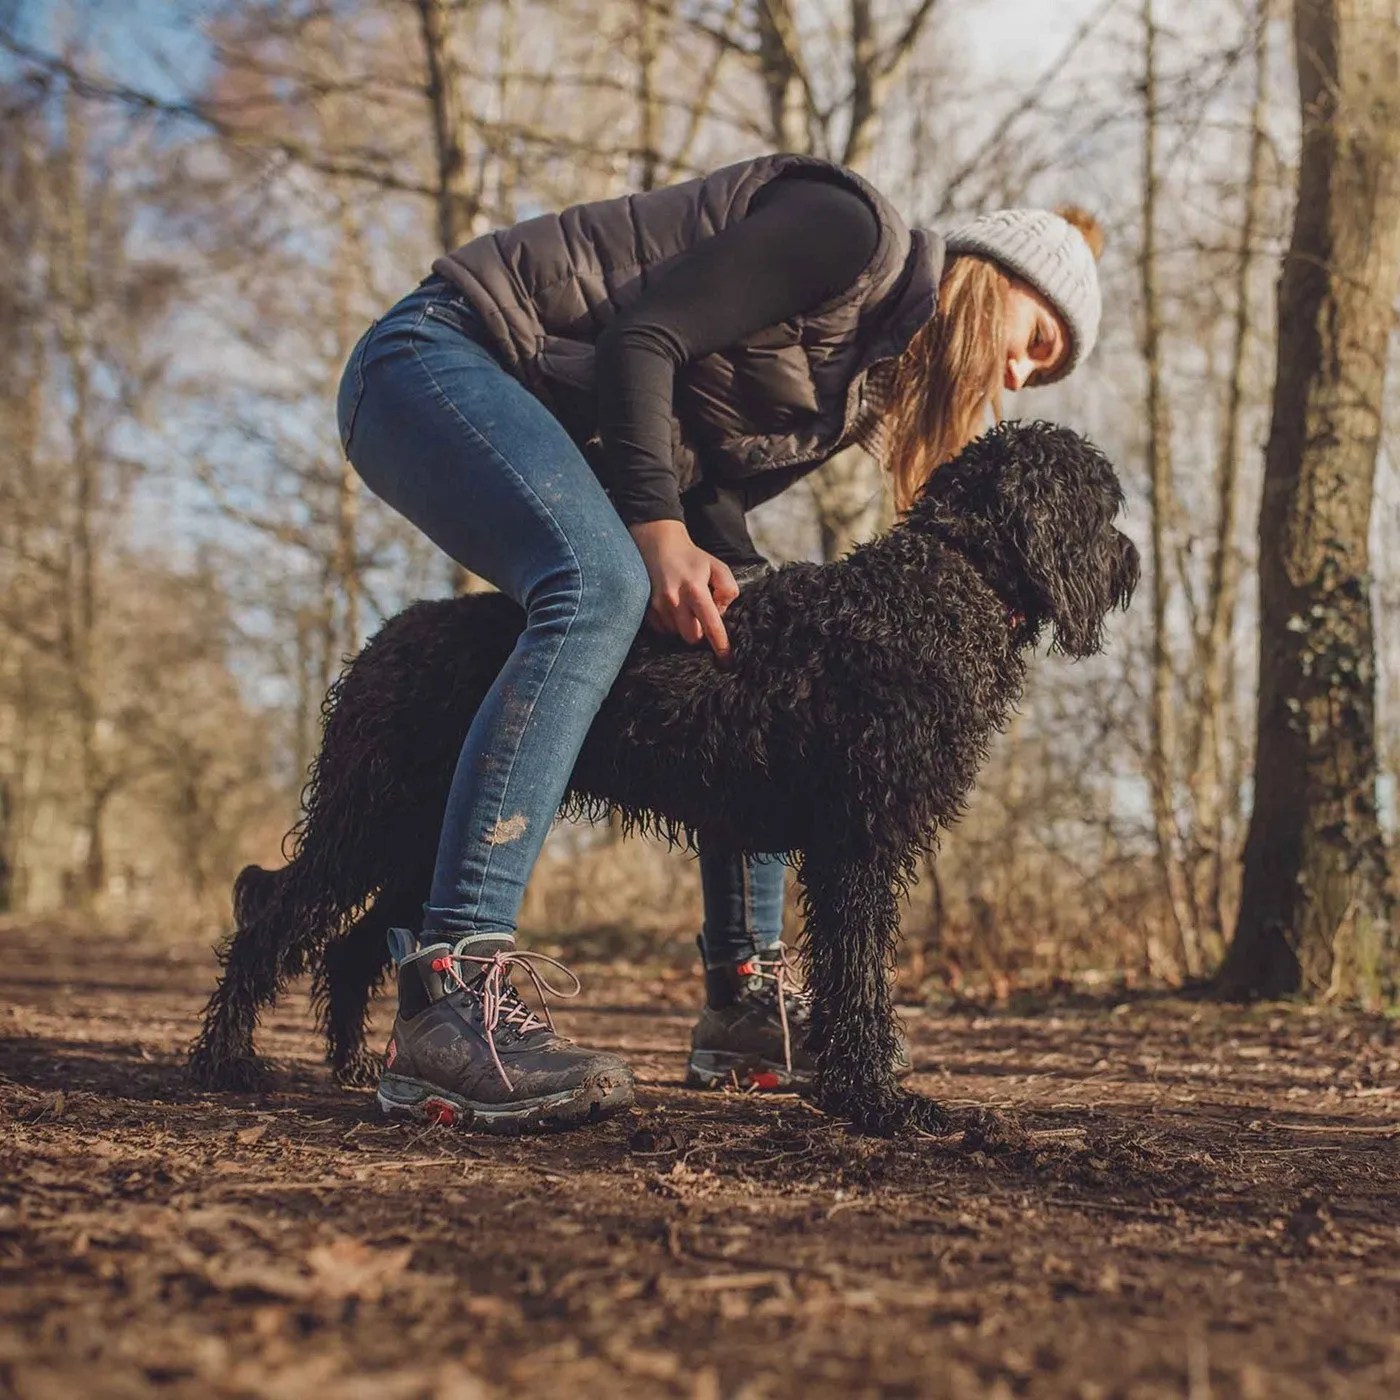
[437, 428]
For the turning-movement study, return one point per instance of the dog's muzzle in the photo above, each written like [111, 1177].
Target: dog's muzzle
[1127, 570]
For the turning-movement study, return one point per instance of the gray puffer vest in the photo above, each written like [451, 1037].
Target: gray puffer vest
[786, 395]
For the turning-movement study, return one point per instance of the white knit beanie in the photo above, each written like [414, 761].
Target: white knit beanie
[1053, 256]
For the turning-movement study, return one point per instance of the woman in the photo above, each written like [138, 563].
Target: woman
[581, 408]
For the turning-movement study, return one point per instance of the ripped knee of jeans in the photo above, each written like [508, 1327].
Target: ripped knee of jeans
[507, 829]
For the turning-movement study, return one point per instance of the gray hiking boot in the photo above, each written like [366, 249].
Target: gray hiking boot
[467, 1050]
[753, 1031]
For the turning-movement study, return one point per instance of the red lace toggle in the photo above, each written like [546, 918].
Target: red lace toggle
[780, 970]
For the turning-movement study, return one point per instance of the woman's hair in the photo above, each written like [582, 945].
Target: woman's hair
[948, 377]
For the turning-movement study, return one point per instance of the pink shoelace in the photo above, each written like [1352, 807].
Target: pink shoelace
[781, 970]
[501, 1004]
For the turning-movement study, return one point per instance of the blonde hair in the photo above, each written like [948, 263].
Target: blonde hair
[949, 376]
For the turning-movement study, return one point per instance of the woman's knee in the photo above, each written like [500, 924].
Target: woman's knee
[604, 595]
[623, 583]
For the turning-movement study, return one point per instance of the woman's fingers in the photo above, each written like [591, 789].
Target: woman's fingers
[722, 584]
[691, 589]
[687, 625]
[699, 617]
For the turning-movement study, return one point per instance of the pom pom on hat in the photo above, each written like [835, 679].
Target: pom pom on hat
[1055, 252]
[1087, 225]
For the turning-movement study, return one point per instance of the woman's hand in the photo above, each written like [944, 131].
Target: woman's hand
[689, 588]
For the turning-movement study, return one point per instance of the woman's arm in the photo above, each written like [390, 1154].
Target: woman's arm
[803, 242]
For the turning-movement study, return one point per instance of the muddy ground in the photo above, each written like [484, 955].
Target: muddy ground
[1207, 1205]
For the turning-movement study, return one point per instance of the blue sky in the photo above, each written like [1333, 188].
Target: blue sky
[152, 44]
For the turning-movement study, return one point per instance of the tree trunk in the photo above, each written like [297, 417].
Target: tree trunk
[867, 85]
[73, 298]
[702, 101]
[1209, 790]
[1162, 747]
[1315, 914]
[780, 69]
[874, 69]
[653, 20]
[345, 567]
[9, 842]
[852, 500]
[457, 200]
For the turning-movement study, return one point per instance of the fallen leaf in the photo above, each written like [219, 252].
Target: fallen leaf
[347, 1268]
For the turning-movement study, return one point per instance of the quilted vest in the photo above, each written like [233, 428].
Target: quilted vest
[789, 394]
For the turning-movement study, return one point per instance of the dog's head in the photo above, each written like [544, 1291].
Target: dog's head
[1033, 505]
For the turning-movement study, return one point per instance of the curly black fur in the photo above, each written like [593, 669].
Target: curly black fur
[847, 731]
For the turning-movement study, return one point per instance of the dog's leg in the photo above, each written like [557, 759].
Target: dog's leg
[351, 971]
[223, 1055]
[282, 919]
[849, 947]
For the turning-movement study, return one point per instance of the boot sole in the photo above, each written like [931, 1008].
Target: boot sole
[415, 1099]
[729, 1069]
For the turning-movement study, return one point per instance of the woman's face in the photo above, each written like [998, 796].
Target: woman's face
[1036, 339]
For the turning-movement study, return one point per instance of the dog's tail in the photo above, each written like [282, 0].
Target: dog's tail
[253, 893]
[281, 919]
[392, 729]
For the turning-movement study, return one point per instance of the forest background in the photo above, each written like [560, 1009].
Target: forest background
[203, 204]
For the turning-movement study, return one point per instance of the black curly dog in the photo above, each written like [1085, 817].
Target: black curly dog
[847, 731]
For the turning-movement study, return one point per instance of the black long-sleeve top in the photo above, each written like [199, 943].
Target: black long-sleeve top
[802, 242]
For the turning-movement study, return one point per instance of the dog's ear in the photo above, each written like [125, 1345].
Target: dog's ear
[1057, 497]
[1084, 581]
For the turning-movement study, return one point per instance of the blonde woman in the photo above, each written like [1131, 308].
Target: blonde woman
[582, 408]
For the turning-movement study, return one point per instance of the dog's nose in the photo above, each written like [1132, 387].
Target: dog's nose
[1128, 571]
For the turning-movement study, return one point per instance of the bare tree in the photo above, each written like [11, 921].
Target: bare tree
[1316, 914]
[457, 198]
[89, 372]
[1162, 745]
[85, 643]
[1211, 791]
[842, 125]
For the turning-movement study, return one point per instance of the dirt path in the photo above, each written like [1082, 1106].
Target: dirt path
[1208, 1206]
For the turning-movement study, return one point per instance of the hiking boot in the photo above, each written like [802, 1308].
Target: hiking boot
[753, 1032]
[467, 1050]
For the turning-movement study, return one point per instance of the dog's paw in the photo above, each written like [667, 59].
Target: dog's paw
[987, 1130]
[928, 1116]
[361, 1072]
[890, 1114]
[240, 1074]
